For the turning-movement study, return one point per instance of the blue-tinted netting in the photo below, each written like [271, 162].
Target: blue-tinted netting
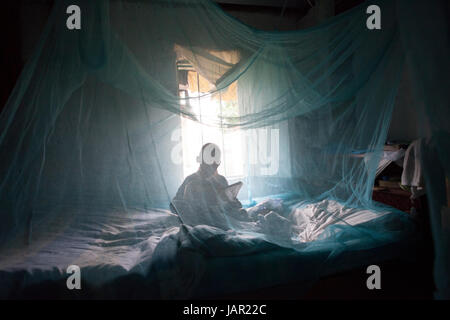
[107, 122]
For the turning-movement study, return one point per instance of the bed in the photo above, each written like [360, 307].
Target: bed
[149, 254]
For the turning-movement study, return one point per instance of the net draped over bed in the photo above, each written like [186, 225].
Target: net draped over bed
[96, 121]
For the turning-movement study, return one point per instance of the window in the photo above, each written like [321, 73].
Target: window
[194, 134]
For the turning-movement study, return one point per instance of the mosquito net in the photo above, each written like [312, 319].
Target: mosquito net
[113, 118]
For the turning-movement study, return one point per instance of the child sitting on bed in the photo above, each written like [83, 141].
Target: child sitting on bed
[205, 189]
[201, 200]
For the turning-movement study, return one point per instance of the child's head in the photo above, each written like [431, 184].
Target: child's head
[209, 158]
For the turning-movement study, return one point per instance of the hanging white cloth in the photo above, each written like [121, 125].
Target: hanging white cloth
[412, 174]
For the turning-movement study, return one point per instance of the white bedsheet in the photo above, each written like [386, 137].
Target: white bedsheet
[109, 245]
[310, 220]
[104, 245]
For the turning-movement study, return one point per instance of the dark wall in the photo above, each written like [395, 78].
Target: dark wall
[10, 61]
[19, 33]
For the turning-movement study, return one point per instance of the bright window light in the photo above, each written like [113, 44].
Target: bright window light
[194, 134]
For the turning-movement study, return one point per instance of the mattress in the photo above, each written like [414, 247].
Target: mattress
[149, 254]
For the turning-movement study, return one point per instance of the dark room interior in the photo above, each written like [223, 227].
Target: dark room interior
[221, 150]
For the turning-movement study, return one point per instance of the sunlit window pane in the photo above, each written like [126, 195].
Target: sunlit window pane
[194, 135]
